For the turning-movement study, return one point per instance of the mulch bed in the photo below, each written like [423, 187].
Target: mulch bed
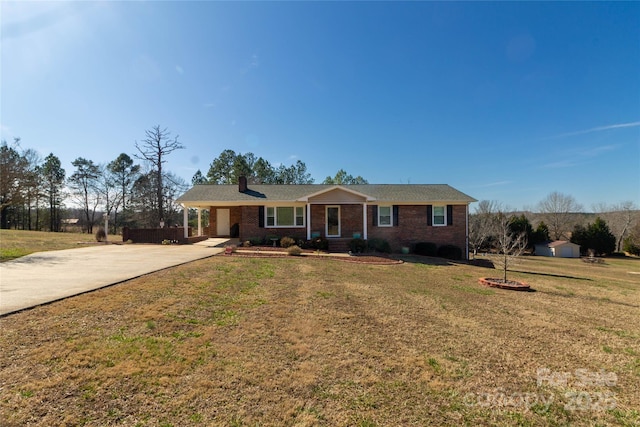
[502, 284]
[277, 252]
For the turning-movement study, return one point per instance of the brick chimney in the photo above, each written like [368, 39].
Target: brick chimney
[242, 184]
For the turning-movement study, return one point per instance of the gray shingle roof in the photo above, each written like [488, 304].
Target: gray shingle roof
[262, 193]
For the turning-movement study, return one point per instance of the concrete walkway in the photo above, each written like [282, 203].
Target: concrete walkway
[44, 277]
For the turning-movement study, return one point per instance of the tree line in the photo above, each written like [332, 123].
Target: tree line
[132, 190]
[608, 229]
[35, 192]
[229, 166]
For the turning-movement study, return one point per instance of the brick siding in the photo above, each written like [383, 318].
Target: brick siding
[412, 225]
[412, 228]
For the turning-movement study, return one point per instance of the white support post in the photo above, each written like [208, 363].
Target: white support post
[308, 221]
[364, 220]
[185, 221]
[199, 222]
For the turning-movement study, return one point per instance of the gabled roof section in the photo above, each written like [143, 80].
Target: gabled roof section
[560, 243]
[338, 188]
[257, 194]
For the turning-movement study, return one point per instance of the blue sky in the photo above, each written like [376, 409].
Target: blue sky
[504, 101]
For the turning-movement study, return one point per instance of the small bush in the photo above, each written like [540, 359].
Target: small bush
[379, 245]
[294, 250]
[101, 236]
[357, 245]
[426, 249]
[450, 252]
[256, 241]
[246, 243]
[319, 243]
[631, 246]
[285, 242]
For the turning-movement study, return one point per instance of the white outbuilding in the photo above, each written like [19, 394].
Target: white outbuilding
[559, 248]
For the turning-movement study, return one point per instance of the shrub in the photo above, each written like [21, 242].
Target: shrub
[357, 245]
[246, 243]
[101, 236]
[294, 250]
[450, 252]
[631, 247]
[256, 241]
[285, 242]
[426, 249]
[319, 243]
[379, 245]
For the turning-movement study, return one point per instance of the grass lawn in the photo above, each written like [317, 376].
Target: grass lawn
[17, 243]
[239, 341]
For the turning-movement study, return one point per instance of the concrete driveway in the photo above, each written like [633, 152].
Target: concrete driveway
[44, 277]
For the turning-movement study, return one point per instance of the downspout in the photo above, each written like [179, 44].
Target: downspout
[467, 234]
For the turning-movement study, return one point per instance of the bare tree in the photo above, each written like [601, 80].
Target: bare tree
[557, 209]
[620, 217]
[509, 245]
[154, 149]
[481, 224]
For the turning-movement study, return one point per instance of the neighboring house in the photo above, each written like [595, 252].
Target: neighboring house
[559, 248]
[71, 225]
[402, 214]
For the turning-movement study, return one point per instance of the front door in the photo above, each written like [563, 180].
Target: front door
[223, 227]
[333, 221]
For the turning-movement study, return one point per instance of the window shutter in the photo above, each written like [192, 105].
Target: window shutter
[261, 216]
[395, 216]
[449, 214]
[429, 215]
[375, 215]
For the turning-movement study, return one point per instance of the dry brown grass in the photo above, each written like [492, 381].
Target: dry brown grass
[302, 342]
[17, 243]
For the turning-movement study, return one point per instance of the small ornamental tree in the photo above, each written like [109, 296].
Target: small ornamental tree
[509, 245]
[521, 225]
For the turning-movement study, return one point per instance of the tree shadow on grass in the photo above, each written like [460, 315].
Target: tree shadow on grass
[425, 260]
[563, 276]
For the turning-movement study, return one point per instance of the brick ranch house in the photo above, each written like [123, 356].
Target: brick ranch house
[402, 214]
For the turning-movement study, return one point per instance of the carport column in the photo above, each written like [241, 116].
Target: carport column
[308, 221]
[199, 222]
[185, 220]
[364, 220]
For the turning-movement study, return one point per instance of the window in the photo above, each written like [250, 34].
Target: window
[439, 217]
[285, 216]
[384, 216]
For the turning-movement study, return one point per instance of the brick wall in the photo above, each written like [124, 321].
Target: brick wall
[250, 226]
[412, 225]
[412, 228]
[235, 217]
[154, 235]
